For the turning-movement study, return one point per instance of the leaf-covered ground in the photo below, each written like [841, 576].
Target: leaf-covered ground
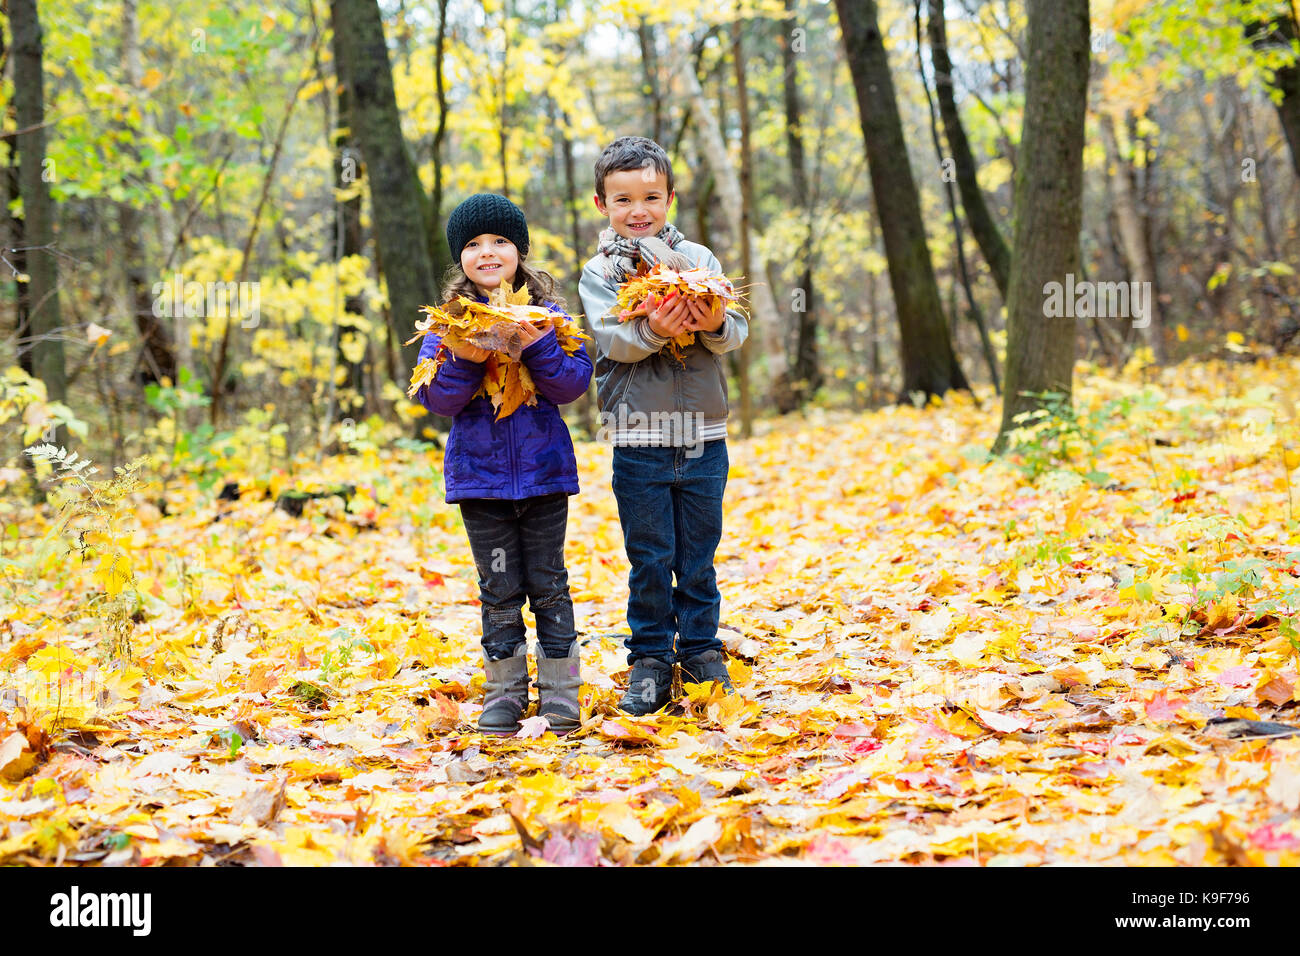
[938, 661]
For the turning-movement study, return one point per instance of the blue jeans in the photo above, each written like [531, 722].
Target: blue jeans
[518, 549]
[670, 506]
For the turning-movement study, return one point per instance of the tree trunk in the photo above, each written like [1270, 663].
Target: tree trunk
[807, 376]
[15, 252]
[703, 224]
[38, 208]
[504, 129]
[347, 229]
[742, 356]
[988, 236]
[973, 309]
[158, 355]
[1048, 208]
[575, 234]
[397, 199]
[1284, 30]
[762, 302]
[438, 251]
[1133, 235]
[929, 364]
[650, 78]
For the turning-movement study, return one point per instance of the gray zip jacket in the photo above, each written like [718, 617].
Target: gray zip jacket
[646, 396]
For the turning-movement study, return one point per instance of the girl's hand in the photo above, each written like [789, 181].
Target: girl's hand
[668, 317]
[530, 332]
[471, 353]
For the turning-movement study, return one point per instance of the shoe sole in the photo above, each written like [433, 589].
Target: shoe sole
[644, 713]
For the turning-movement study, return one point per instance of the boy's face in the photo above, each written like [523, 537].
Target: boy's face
[636, 202]
[488, 260]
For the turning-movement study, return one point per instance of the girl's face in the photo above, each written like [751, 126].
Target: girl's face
[490, 260]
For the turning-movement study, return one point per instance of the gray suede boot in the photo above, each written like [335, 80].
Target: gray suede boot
[558, 681]
[705, 669]
[505, 693]
[649, 687]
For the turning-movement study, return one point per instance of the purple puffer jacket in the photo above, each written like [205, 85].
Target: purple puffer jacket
[526, 454]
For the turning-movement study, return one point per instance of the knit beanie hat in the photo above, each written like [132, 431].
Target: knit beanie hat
[490, 213]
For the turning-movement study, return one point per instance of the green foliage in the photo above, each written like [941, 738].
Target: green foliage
[1056, 435]
[170, 399]
[189, 449]
[1210, 36]
[336, 660]
[229, 738]
[1241, 577]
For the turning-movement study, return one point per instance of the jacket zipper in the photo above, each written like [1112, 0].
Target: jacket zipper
[514, 467]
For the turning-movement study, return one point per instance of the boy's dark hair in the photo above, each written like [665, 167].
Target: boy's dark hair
[631, 152]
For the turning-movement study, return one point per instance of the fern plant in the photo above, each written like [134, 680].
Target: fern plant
[87, 522]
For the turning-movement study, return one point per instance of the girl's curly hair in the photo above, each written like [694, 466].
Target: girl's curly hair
[541, 285]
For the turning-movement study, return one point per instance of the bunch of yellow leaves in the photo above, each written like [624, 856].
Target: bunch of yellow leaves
[495, 326]
[642, 293]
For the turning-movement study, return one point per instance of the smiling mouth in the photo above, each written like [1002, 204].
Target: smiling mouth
[493, 265]
[639, 225]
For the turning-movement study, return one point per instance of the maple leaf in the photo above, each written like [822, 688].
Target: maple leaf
[826, 850]
[701, 835]
[1269, 837]
[1240, 676]
[441, 716]
[15, 757]
[1278, 690]
[583, 849]
[424, 373]
[532, 727]
[1162, 707]
[853, 730]
[1003, 723]
[494, 326]
[645, 290]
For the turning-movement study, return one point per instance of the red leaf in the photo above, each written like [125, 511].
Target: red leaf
[1162, 707]
[1267, 838]
[852, 730]
[582, 850]
[1242, 676]
[864, 747]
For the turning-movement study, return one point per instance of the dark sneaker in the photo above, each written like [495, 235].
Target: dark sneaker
[505, 693]
[705, 669]
[648, 688]
[558, 681]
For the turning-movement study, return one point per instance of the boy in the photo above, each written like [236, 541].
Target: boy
[668, 423]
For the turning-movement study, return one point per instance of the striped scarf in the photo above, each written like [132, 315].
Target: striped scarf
[624, 252]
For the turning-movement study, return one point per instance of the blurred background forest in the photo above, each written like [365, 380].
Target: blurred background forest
[219, 221]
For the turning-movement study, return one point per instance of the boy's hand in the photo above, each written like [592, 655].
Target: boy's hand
[470, 352]
[704, 319]
[668, 317]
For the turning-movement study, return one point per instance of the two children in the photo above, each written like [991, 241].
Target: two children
[512, 478]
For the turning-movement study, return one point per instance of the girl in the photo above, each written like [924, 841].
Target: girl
[512, 478]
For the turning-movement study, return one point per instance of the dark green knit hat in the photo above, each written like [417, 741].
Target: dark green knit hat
[486, 212]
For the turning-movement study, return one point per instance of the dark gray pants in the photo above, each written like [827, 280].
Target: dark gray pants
[518, 548]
